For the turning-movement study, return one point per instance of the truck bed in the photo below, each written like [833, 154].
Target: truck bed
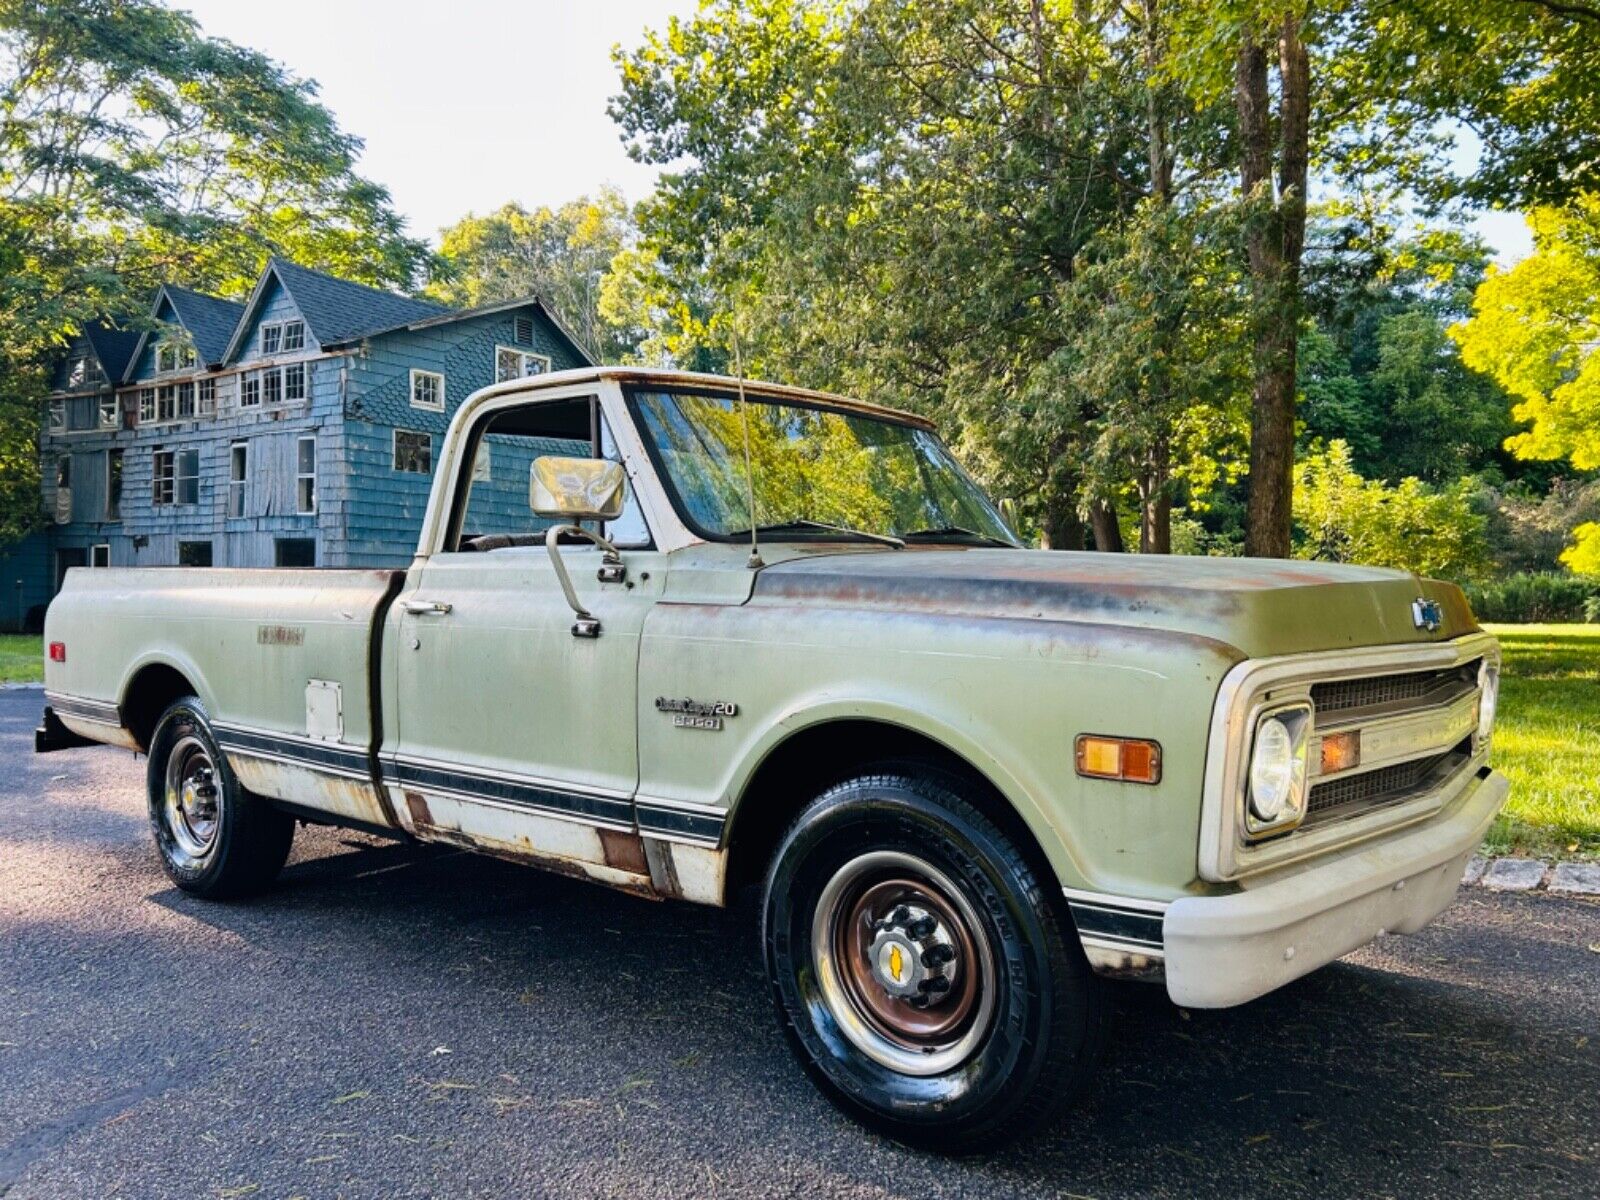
[284, 660]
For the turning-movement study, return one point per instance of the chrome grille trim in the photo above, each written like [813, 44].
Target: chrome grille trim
[1343, 795]
[1254, 685]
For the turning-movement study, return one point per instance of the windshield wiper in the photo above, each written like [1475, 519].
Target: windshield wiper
[948, 532]
[790, 526]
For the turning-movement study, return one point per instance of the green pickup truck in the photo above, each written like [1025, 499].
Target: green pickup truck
[682, 635]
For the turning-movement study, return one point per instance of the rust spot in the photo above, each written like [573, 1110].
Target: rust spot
[417, 805]
[624, 851]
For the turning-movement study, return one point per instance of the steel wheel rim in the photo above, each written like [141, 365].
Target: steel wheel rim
[192, 801]
[854, 934]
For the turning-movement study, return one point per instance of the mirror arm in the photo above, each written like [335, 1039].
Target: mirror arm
[587, 625]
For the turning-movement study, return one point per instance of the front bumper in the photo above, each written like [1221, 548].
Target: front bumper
[1225, 950]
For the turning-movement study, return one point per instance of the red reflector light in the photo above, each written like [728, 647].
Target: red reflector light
[58, 652]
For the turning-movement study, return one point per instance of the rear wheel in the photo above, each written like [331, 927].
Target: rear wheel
[921, 967]
[216, 839]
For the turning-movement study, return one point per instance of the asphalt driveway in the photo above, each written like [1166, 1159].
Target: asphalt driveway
[400, 1021]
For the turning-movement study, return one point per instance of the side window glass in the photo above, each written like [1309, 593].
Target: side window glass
[629, 529]
[497, 516]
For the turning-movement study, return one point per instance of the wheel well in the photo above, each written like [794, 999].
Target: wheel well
[816, 758]
[152, 689]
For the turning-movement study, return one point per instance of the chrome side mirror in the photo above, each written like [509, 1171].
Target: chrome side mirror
[579, 489]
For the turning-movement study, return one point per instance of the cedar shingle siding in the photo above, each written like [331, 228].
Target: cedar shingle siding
[360, 348]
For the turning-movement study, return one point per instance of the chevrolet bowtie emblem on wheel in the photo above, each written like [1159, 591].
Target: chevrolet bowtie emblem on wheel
[1426, 614]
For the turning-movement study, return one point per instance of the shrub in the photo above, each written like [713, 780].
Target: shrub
[1535, 598]
[1342, 517]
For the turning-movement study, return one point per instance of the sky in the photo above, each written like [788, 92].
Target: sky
[465, 105]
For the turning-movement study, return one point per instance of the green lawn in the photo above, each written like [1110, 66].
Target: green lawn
[1547, 740]
[21, 658]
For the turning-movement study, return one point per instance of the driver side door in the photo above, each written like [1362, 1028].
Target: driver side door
[515, 735]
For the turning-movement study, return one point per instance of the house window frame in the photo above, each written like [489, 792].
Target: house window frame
[210, 552]
[418, 373]
[183, 356]
[94, 553]
[147, 405]
[524, 356]
[84, 372]
[58, 414]
[276, 329]
[114, 483]
[518, 323]
[293, 371]
[250, 382]
[163, 484]
[394, 456]
[298, 325]
[180, 478]
[205, 396]
[302, 477]
[238, 479]
[110, 404]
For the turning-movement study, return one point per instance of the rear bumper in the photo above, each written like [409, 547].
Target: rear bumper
[1225, 950]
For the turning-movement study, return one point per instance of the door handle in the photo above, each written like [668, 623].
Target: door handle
[426, 608]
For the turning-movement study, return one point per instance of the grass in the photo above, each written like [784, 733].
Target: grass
[21, 658]
[1547, 741]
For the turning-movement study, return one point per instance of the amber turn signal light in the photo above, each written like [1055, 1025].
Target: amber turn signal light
[1130, 760]
[1341, 751]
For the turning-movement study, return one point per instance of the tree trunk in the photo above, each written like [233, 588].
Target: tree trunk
[1155, 502]
[1275, 240]
[1063, 527]
[1107, 531]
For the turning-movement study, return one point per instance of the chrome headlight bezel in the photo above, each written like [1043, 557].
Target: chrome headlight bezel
[1293, 733]
[1488, 699]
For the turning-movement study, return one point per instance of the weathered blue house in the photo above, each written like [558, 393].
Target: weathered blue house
[298, 428]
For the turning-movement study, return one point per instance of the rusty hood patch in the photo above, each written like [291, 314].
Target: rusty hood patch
[1261, 606]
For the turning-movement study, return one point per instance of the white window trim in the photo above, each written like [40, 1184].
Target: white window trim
[106, 546]
[524, 354]
[417, 372]
[394, 452]
[178, 477]
[100, 411]
[58, 414]
[242, 485]
[299, 475]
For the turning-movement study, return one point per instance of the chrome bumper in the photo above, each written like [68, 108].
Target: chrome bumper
[1225, 950]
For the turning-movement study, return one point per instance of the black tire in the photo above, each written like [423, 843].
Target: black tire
[216, 839]
[1045, 1033]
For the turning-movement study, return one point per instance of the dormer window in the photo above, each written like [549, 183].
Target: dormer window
[174, 356]
[282, 337]
[83, 371]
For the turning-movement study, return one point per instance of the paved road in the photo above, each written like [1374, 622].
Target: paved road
[397, 1021]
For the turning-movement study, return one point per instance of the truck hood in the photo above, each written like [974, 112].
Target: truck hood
[1260, 606]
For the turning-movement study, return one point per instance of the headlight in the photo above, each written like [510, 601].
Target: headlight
[1488, 698]
[1277, 790]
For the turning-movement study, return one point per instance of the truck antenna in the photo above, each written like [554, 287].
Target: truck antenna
[754, 562]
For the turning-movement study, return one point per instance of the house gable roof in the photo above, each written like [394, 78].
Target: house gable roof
[335, 310]
[451, 315]
[209, 321]
[112, 345]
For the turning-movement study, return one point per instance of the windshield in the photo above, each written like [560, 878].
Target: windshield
[810, 465]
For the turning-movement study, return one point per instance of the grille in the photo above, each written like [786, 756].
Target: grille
[1386, 785]
[1340, 695]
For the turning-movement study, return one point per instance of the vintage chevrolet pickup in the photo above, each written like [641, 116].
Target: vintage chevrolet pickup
[972, 780]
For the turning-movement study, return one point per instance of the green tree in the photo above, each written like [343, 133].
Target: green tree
[562, 255]
[136, 150]
[1535, 328]
[1342, 517]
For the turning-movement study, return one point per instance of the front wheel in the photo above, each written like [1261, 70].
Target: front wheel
[216, 839]
[921, 967]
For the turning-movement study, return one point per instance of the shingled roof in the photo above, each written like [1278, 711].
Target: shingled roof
[335, 310]
[209, 320]
[112, 345]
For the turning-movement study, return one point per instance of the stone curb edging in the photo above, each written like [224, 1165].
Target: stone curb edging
[1532, 874]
